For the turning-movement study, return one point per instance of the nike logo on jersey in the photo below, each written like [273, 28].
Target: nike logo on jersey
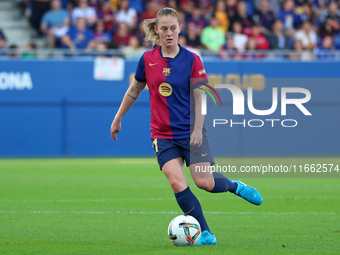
[203, 155]
[152, 64]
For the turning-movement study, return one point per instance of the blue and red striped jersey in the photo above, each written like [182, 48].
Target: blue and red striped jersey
[169, 81]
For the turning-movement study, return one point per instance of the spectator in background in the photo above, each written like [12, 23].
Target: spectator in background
[182, 41]
[133, 49]
[231, 8]
[106, 14]
[99, 33]
[278, 41]
[221, 15]
[298, 49]
[160, 3]
[289, 17]
[229, 49]
[240, 40]
[55, 23]
[251, 49]
[95, 4]
[70, 5]
[213, 36]
[114, 4]
[187, 5]
[84, 11]
[262, 42]
[330, 21]
[204, 5]
[307, 36]
[197, 18]
[140, 32]
[78, 37]
[3, 39]
[126, 14]
[325, 51]
[307, 13]
[300, 53]
[101, 49]
[122, 36]
[274, 5]
[38, 9]
[14, 51]
[242, 17]
[193, 39]
[298, 46]
[151, 10]
[264, 15]
[229, 44]
[173, 4]
[30, 51]
[147, 45]
[183, 22]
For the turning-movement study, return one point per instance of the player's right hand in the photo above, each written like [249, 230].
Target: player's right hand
[115, 128]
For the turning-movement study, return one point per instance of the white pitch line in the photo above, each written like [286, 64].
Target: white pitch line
[152, 199]
[86, 200]
[165, 212]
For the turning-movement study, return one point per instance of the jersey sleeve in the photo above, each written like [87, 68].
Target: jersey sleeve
[140, 71]
[198, 74]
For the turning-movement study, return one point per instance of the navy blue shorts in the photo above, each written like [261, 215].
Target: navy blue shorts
[168, 149]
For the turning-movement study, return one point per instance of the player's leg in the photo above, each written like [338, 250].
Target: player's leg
[213, 182]
[192, 205]
[201, 159]
[216, 182]
[170, 160]
[174, 172]
[186, 200]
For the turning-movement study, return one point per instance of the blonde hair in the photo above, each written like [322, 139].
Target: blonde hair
[150, 24]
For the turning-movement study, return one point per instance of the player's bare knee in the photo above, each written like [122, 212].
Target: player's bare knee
[177, 185]
[205, 183]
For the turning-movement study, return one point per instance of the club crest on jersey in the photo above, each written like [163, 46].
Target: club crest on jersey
[165, 89]
[201, 71]
[166, 71]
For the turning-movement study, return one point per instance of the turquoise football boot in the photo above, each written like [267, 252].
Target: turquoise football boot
[248, 193]
[206, 238]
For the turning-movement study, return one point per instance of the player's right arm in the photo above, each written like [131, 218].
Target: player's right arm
[130, 97]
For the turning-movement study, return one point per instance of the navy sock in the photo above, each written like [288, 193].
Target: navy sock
[223, 184]
[191, 206]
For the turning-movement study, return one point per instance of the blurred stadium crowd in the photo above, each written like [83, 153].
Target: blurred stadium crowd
[229, 29]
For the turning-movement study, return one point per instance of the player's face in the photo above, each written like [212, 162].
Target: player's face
[168, 30]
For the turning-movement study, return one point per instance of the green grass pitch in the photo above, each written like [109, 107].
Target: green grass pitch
[124, 206]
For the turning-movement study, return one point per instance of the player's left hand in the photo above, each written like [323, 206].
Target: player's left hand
[115, 128]
[196, 138]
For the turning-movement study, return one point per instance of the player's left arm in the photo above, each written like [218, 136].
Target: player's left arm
[197, 136]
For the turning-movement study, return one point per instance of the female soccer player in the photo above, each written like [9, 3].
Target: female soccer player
[171, 72]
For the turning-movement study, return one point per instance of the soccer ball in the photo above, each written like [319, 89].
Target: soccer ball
[184, 230]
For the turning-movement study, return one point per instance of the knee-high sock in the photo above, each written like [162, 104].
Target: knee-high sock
[223, 184]
[191, 206]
